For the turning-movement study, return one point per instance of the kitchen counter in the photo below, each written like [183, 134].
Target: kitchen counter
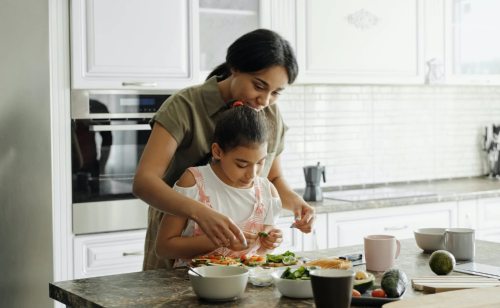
[444, 191]
[170, 288]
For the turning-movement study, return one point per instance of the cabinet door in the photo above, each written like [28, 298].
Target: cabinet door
[108, 253]
[292, 238]
[318, 238]
[128, 44]
[360, 41]
[488, 213]
[467, 214]
[471, 48]
[492, 235]
[349, 228]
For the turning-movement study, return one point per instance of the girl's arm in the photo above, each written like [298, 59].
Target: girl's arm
[149, 187]
[169, 242]
[304, 214]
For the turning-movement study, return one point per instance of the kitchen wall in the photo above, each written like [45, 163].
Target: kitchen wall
[381, 134]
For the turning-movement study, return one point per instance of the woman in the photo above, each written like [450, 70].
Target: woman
[258, 67]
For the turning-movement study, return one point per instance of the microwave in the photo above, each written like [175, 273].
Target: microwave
[109, 133]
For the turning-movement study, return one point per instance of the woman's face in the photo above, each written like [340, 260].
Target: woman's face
[239, 167]
[258, 89]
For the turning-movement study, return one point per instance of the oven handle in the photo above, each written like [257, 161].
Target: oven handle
[103, 128]
[139, 84]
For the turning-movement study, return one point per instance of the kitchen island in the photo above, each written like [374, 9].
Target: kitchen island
[171, 288]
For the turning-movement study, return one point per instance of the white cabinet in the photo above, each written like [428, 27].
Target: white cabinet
[129, 44]
[488, 215]
[360, 41]
[292, 238]
[108, 253]
[318, 238]
[349, 228]
[492, 235]
[472, 47]
[467, 214]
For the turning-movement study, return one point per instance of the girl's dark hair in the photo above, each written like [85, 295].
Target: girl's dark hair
[258, 50]
[240, 126]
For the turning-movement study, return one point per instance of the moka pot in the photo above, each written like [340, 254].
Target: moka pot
[312, 175]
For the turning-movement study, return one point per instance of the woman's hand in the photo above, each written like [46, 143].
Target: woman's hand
[219, 228]
[273, 239]
[250, 238]
[303, 213]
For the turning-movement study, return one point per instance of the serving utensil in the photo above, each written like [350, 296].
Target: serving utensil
[192, 270]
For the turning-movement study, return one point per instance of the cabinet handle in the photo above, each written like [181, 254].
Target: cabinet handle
[139, 253]
[139, 84]
[111, 128]
[395, 228]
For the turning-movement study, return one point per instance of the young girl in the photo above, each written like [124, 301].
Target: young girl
[230, 185]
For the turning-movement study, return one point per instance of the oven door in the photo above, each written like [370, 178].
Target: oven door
[105, 155]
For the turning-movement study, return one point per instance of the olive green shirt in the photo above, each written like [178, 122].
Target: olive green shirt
[190, 117]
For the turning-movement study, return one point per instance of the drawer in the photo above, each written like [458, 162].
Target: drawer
[491, 235]
[292, 238]
[347, 229]
[488, 213]
[109, 253]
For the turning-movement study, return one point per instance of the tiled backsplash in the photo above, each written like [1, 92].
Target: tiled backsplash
[380, 134]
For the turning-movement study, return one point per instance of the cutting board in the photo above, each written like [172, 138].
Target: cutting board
[472, 298]
[438, 284]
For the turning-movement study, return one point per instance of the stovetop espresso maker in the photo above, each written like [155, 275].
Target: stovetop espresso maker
[312, 175]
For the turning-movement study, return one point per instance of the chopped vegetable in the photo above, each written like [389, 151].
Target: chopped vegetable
[279, 258]
[355, 293]
[264, 234]
[300, 274]
[378, 293]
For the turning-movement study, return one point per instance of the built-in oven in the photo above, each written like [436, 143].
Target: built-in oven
[109, 133]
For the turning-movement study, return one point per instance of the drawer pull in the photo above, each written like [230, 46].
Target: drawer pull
[139, 253]
[139, 84]
[395, 228]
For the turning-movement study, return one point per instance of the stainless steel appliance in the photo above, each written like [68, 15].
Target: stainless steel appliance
[109, 133]
[313, 177]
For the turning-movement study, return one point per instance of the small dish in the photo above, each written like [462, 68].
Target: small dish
[261, 277]
[219, 283]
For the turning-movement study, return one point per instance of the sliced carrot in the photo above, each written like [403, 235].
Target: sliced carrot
[247, 261]
[216, 257]
[261, 259]
[254, 258]
[224, 262]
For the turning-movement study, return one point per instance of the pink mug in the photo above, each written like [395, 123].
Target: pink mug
[381, 252]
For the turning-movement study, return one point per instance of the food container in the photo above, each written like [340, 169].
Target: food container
[219, 283]
[292, 288]
[261, 277]
[430, 239]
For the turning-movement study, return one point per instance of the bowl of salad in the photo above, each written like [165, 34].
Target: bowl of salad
[294, 281]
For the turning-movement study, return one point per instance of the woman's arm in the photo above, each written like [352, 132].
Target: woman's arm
[149, 187]
[304, 214]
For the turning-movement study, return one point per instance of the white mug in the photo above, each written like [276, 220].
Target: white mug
[381, 252]
[460, 242]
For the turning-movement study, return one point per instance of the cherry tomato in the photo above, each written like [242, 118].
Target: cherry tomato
[243, 257]
[378, 293]
[356, 293]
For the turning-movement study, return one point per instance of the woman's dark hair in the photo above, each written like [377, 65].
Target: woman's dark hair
[258, 50]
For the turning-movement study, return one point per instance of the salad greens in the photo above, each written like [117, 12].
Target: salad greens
[300, 274]
[287, 256]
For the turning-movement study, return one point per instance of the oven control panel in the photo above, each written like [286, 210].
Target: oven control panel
[125, 103]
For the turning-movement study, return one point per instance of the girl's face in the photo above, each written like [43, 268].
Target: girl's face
[258, 89]
[239, 167]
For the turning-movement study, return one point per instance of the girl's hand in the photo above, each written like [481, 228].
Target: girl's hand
[250, 238]
[219, 228]
[273, 240]
[304, 215]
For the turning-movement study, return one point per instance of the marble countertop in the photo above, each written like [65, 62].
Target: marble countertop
[171, 288]
[444, 191]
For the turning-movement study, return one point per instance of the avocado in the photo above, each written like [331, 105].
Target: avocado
[394, 282]
[442, 262]
[364, 284]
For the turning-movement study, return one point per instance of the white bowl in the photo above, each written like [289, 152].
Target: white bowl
[220, 283]
[430, 239]
[292, 288]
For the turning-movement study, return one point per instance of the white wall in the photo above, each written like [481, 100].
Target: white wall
[380, 134]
